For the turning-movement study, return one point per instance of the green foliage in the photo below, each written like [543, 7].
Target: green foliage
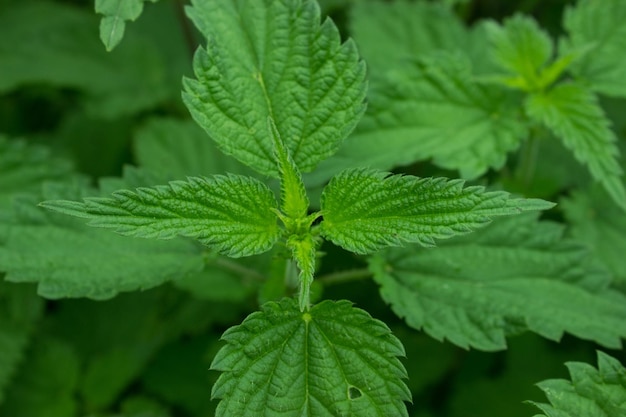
[231, 214]
[598, 27]
[20, 308]
[361, 207]
[596, 221]
[116, 13]
[572, 113]
[592, 392]
[310, 84]
[283, 193]
[331, 360]
[177, 149]
[435, 110]
[522, 49]
[46, 383]
[88, 272]
[24, 167]
[512, 276]
[74, 58]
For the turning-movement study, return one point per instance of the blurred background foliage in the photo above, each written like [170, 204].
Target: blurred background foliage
[148, 353]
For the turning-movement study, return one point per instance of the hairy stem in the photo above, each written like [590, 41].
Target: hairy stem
[237, 268]
[345, 276]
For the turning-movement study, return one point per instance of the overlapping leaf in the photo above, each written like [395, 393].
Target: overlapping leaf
[332, 360]
[180, 148]
[116, 13]
[69, 259]
[273, 58]
[595, 220]
[59, 47]
[366, 210]
[231, 214]
[572, 113]
[591, 392]
[434, 111]
[522, 49]
[392, 34]
[598, 28]
[24, 167]
[515, 275]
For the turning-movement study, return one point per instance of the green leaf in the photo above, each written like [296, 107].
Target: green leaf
[111, 84]
[437, 111]
[598, 27]
[516, 275]
[23, 167]
[332, 360]
[601, 225]
[366, 210]
[392, 34]
[116, 12]
[592, 392]
[572, 113]
[69, 259]
[45, 384]
[180, 148]
[522, 49]
[310, 84]
[231, 214]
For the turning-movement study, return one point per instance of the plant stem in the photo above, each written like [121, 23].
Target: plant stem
[237, 268]
[528, 162]
[345, 276]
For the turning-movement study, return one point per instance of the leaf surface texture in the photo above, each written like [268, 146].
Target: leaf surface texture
[272, 58]
[333, 360]
[516, 275]
[366, 210]
[231, 214]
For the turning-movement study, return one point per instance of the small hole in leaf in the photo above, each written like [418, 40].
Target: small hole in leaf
[354, 393]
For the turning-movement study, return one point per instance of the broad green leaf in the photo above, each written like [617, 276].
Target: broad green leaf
[232, 214]
[19, 309]
[62, 42]
[180, 148]
[595, 220]
[516, 275]
[68, 259]
[333, 360]
[116, 13]
[522, 49]
[435, 111]
[591, 392]
[305, 79]
[23, 167]
[366, 210]
[45, 384]
[573, 115]
[598, 27]
[392, 34]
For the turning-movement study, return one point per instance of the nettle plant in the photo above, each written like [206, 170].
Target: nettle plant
[279, 91]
